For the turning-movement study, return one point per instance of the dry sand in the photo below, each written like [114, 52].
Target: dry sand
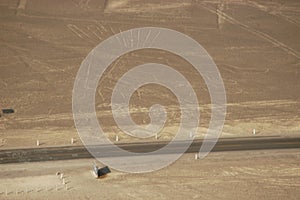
[232, 175]
[254, 44]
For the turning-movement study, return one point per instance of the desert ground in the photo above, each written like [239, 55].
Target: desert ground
[254, 43]
[236, 175]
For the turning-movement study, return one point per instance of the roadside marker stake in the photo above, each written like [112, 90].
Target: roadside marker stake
[191, 135]
[72, 140]
[117, 138]
[253, 131]
[37, 143]
[196, 156]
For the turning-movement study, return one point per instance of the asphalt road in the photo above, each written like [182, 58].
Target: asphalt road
[77, 152]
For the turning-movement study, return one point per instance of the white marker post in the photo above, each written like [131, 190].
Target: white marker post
[254, 132]
[117, 138]
[37, 143]
[191, 135]
[72, 140]
[196, 156]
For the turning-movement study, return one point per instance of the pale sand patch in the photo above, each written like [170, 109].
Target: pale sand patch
[269, 174]
[115, 4]
[130, 6]
[63, 137]
[29, 184]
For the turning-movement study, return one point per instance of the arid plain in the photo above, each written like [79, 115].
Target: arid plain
[254, 43]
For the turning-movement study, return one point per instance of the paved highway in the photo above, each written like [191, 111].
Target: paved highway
[76, 152]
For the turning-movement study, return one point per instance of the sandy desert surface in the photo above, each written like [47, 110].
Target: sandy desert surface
[254, 43]
[241, 175]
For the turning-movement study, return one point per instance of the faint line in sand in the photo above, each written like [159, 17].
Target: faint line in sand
[234, 69]
[275, 13]
[220, 19]
[22, 4]
[92, 28]
[260, 34]
[84, 4]
[80, 33]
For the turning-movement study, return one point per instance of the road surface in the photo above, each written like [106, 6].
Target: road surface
[76, 152]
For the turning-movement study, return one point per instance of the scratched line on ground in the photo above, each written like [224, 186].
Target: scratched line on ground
[260, 34]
